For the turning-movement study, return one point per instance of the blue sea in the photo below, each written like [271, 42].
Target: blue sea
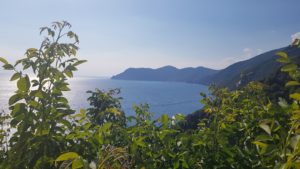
[163, 97]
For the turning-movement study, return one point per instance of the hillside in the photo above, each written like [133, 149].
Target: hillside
[236, 75]
[167, 73]
[254, 69]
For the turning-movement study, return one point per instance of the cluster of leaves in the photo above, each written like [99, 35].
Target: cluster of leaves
[239, 129]
[38, 109]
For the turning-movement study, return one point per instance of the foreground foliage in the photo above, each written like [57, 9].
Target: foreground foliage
[240, 129]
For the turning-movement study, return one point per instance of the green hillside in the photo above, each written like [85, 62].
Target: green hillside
[254, 69]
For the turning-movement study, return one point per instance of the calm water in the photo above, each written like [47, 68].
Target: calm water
[163, 97]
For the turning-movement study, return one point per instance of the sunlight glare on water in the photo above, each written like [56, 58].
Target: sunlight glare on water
[163, 97]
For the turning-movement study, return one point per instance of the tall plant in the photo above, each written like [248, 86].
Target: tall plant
[38, 108]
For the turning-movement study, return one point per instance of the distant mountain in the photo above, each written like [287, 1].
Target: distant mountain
[167, 73]
[254, 69]
[236, 75]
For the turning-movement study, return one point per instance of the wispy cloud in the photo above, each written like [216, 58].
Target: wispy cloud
[246, 53]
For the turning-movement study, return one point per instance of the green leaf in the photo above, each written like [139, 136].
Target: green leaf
[33, 103]
[64, 87]
[287, 165]
[70, 136]
[283, 60]
[17, 120]
[15, 98]
[39, 94]
[164, 119]
[140, 142]
[70, 34]
[68, 73]
[105, 127]
[18, 109]
[292, 83]
[62, 100]
[67, 156]
[184, 164]
[295, 96]
[289, 67]
[15, 76]
[77, 163]
[31, 50]
[3, 60]
[176, 165]
[8, 67]
[260, 144]
[164, 133]
[42, 132]
[23, 83]
[282, 54]
[263, 137]
[79, 62]
[265, 127]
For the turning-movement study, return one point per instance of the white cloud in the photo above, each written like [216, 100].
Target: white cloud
[295, 36]
[247, 53]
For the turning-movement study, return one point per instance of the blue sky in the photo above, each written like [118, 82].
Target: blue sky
[117, 34]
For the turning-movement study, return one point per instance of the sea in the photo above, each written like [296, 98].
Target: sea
[163, 97]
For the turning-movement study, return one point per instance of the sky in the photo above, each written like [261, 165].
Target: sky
[118, 34]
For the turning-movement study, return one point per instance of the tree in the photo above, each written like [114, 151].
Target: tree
[39, 109]
[104, 107]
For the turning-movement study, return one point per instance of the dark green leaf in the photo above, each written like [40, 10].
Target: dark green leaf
[8, 67]
[79, 62]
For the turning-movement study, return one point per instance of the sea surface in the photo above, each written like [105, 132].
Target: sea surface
[163, 97]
